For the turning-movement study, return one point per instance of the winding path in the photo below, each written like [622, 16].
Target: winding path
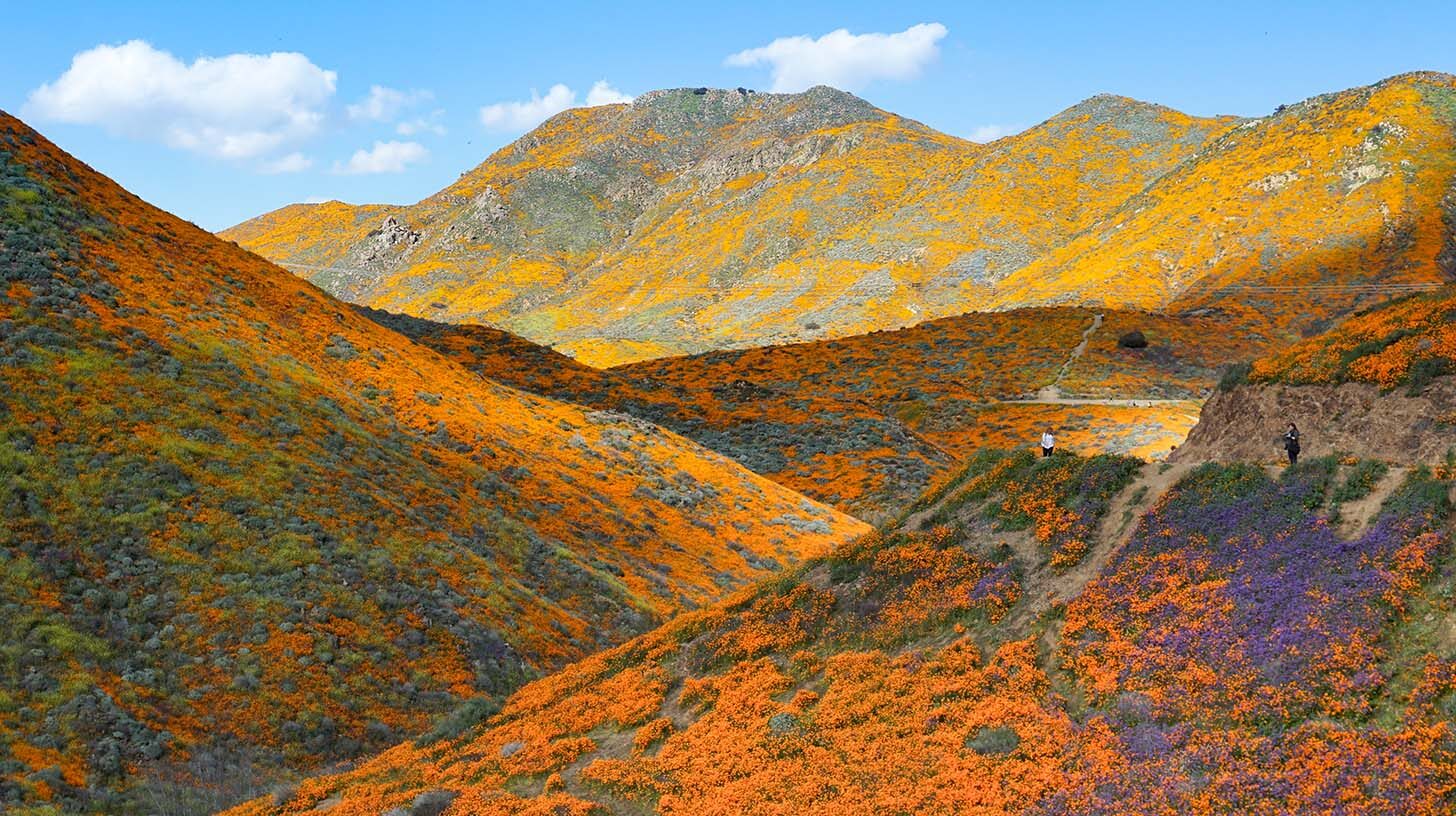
[1053, 393]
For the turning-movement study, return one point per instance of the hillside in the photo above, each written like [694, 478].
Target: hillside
[700, 219]
[1040, 649]
[1325, 206]
[245, 527]
[688, 221]
[1377, 385]
[838, 450]
[867, 423]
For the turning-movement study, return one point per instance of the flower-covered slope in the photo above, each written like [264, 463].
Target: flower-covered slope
[1408, 343]
[691, 221]
[1342, 189]
[866, 423]
[1237, 655]
[696, 219]
[243, 527]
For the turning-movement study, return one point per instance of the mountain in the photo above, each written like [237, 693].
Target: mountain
[1299, 217]
[696, 219]
[1050, 637]
[246, 528]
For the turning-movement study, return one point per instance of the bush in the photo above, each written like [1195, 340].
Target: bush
[1360, 481]
[468, 715]
[996, 741]
[1133, 340]
[1423, 371]
[1235, 375]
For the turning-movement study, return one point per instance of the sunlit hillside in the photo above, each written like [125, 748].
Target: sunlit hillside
[246, 528]
[866, 423]
[1283, 217]
[1060, 636]
[696, 219]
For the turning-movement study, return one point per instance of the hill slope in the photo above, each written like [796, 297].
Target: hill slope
[244, 525]
[1378, 385]
[1351, 188]
[1226, 655]
[699, 219]
[694, 221]
[866, 423]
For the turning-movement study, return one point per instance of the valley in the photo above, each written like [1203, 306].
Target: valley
[680, 458]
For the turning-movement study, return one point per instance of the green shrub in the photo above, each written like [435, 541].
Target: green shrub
[1234, 375]
[997, 741]
[1424, 371]
[465, 717]
[1360, 482]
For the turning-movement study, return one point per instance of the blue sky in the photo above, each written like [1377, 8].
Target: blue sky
[220, 141]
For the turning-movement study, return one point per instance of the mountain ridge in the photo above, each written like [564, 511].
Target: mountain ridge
[734, 221]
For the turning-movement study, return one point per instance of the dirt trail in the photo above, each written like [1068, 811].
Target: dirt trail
[1118, 527]
[1048, 588]
[1053, 393]
[1355, 516]
[1120, 523]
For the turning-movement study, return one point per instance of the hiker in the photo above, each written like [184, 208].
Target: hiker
[1047, 443]
[1291, 443]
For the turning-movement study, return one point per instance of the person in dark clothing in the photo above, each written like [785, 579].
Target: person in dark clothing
[1291, 443]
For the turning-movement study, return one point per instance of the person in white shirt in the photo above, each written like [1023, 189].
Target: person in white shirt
[1047, 443]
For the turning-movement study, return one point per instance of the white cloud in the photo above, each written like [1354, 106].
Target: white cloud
[521, 116]
[292, 163]
[237, 106]
[385, 104]
[844, 60]
[602, 93]
[317, 200]
[384, 157]
[422, 124]
[528, 114]
[990, 133]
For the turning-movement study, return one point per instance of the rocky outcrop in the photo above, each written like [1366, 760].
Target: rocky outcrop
[392, 233]
[1246, 423]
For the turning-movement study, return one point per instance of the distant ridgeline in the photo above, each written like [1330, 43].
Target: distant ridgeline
[696, 220]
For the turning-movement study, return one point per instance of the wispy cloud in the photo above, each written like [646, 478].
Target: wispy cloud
[423, 124]
[526, 114]
[292, 163]
[602, 93]
[518, 116]
[384, 157]
[844, 60]
[990, 133]
[385, 104]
